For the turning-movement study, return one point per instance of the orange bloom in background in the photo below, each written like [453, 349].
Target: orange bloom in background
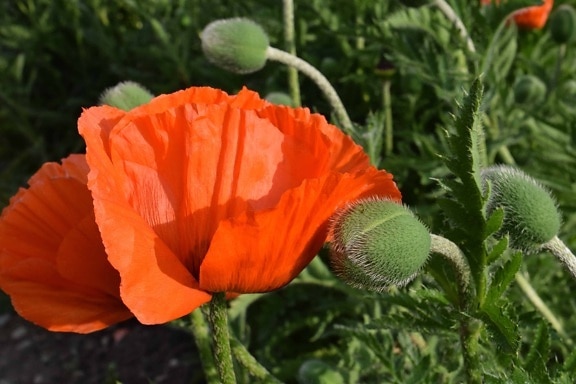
[533, 17]
[52, 261]
[199, 192]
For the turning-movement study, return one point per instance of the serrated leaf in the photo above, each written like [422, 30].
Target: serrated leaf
[503, 277]
[494, 222]
[535, 362]
[497, 250]
[503, 329]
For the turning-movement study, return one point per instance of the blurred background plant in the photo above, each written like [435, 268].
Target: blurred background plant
[400, 67]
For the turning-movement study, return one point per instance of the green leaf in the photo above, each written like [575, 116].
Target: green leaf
[535, 362]
[494, 222]
[501, 52]
[503, 277]
[497, 250]
[503, 329]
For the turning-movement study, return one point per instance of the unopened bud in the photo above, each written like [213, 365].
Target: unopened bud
[126, 96]
[563, 24]
[530, 214]
[378, 243]
[279, 98]
[238, 45]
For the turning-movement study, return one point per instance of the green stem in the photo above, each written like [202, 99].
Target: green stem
[389, 129]
[450, 252]
[221, 338]
[250, 363]
[469, 328]
[201, 333]
[469, 335]
[537, 302]
[320, 80]
[562, 253]
[288, 12]
[447, 10]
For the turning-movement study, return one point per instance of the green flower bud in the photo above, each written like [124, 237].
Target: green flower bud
[126, 95]
[378, 243]
[279, 98]
[318, 372]
[563, 24]
[530, 214]
[238, 45]
[529, 91]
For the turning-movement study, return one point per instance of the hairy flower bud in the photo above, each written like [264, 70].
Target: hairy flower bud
[126, 95]
[378, 243]
[530, 214]
[238, 45]
[563, 24]
[529, 91]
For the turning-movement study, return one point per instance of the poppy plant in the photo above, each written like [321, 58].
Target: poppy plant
[52, 261]
[200, 192]
[533, 17]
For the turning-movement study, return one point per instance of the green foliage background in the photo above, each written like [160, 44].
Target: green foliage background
[57, 56]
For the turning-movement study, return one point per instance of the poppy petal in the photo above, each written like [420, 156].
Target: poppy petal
[32, 230]
[265, 251]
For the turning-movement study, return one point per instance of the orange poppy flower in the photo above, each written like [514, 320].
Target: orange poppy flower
[52, 262]
[533, 17]
[200, 192]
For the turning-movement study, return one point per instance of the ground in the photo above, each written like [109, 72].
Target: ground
[129, 353]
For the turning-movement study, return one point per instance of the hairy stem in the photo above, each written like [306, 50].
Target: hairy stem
[221, 338]
[562, 253]
[201, 332]
[320, 80]
[447, 10]
[450, 252]
[250, 363]
[469, 328]
[293, 85]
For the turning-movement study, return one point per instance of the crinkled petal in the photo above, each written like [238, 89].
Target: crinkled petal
[264, 251]
[33, 228]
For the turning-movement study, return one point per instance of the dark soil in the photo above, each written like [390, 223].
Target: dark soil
[129, 353]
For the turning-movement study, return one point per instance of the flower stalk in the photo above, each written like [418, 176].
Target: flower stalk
[221, 338]
[289, 41]
[200, 331]
[250, 363]
[320, 80]
[450, 252]
[562, 253]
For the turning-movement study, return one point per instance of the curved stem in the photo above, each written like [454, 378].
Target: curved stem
[320, 80]
[470, 328]
[221, 338]
[293, 85]
[562, 253]
[447, 10]
[450, 251]
[201, 333]
[250, 363]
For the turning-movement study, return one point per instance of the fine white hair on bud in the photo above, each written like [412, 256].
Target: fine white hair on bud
[238, 45]
[531, 217]
[126, 95]
[377, 243]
